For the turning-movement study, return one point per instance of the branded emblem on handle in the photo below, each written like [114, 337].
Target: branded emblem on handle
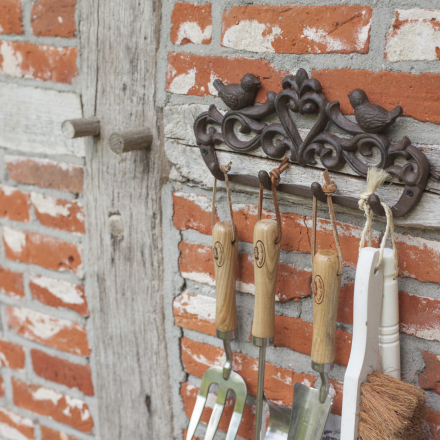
[259, 254]
[318, 289]
[219, 255]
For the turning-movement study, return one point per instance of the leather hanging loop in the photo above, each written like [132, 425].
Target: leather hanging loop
[329, 188]
[225, 170]
[275, 177]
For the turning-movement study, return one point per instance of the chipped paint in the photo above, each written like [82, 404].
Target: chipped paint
[193, 32]
[47, 394]
[15, 240]
[427, 332]
[73, 403]
[252, 36]
[201, 201]
[49, 205]
[11, 433]
[8, 190]
[66, 292]
[203, 278]
[321, 36]
[212, 89]
[12, 60]
[40, 325]
[183, 83]
[15, 418]
[201, 306]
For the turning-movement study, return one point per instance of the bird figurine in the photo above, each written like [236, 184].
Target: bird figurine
[238, 96]
[372, 118]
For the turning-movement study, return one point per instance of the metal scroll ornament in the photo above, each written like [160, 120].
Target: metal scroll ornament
[303, 95]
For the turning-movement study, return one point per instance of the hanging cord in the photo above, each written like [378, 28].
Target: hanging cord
[275, 176]
[225, 169]
[328, 189]
[375, 178]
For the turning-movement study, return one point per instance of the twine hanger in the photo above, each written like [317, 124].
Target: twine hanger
[375, 178]
[225, 169]
[275, 175]
[329, 189]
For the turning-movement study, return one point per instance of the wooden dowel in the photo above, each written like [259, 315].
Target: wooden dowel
[130, 140]
[75, 128]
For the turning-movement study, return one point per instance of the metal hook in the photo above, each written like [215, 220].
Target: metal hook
[227, 366]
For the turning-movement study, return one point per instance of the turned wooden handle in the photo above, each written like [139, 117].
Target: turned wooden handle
[225, 261]
[266, 259]
[326, 284]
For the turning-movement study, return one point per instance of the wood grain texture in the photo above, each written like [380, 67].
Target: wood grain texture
[266, 259]
[225, 264]
[119, 41]
[130, 140]
[189, 162]
[326, 284]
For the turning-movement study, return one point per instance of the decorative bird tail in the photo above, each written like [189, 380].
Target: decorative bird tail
[396, 112]
[218, 85]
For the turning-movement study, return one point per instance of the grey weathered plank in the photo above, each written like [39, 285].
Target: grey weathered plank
[119, 40]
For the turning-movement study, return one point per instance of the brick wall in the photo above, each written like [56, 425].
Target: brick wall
[46, 379]
[394, 55]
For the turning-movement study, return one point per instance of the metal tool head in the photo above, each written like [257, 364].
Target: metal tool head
[309, 415]
[279, 421]
[235, 383]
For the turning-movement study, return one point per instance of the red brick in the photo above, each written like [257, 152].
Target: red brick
[11, 283]
[417, 94]
[50, 434]
[278, 383]
[2, 386]
[11, 21]
[46, 63]
[191, 23]
[247, 426]
[46, 173]
[335, 391]
[11, 355]
[196, 264]
[185, 432]
[430, 378]
[63, 372]
[345, 310]
[14, 204]
[298, 29]
[13, 426]
[49, 252]
[59, 214]
[50, 403]
[408, 38]
[192, 211]
[54, 18]
[57, 293]
[296, 228]
[419, 316]
[195, 312]
[60, 334]
[193, 74]
[286, 326]
[432, 425]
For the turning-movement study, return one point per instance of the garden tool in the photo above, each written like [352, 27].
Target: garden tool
[267, 238]
[311, 407]
[225, 251]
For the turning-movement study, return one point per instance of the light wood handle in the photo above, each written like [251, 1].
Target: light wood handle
[326, 286]
[266, 259]
[225, 261]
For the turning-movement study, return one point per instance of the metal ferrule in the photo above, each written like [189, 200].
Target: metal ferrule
[323, 370]
[226, 336]
[261, 342]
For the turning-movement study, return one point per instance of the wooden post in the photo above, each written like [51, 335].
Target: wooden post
[130, 140]
[124, 283]
[75, 128]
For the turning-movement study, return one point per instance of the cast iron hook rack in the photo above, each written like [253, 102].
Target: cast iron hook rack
[303, 95]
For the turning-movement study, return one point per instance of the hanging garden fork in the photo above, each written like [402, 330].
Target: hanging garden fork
[225, 252]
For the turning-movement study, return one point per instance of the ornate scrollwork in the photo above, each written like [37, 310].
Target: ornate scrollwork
[303, 95]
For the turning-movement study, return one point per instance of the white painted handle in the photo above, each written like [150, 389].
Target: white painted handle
[389, 341]
[364, 356]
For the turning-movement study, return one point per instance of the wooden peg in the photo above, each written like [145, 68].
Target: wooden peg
[75, 128]
[131, 140]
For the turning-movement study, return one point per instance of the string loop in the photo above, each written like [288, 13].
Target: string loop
[329, 188]
[225, 169]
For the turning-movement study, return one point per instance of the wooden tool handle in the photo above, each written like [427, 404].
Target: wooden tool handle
[326, 284]
[266, 258]
[225, 261]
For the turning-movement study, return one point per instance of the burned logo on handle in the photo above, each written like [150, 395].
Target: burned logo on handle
[318, 289]
[259, 254]
[219, 255]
